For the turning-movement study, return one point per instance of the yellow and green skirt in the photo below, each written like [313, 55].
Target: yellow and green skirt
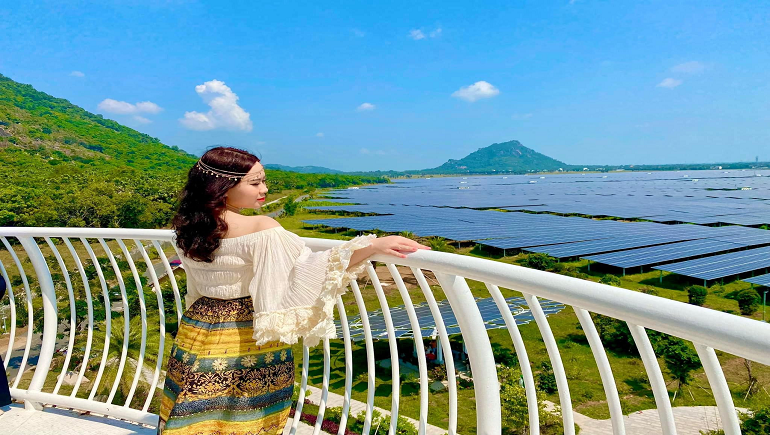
[219, 381]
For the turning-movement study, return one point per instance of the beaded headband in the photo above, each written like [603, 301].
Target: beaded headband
[219, 172]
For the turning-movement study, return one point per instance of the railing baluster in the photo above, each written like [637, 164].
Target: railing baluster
[422, 364]
[521, 352]
[73, 312]
[657, 383]
[369, 357]
[172, 279]
[324, 388]
[48, 345]
[394, 360]
[486, 385]
[302, 390]
[558, 366]
[605, 371]
[12, 336]
[716, 377]
[30, 312]
[449, 362]
[89, 302]
[143, 316]
[126, 319]
[107, 317]
[348, 365]
[161, 324]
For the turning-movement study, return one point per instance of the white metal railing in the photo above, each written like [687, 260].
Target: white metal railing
[137, 382]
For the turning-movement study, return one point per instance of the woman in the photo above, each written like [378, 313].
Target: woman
[253, 290]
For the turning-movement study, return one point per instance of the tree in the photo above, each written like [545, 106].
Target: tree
[748, 301]
[681, 360]
[514, 410]
[697, 294]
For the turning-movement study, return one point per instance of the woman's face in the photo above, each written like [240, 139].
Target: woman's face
[250, 192]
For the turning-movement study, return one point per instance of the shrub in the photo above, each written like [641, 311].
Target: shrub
[538, 261]
[648, 290]
[610, 279]
[697, 294]
[756, 422]
[546, 380]
[748, 301]
[439, 244]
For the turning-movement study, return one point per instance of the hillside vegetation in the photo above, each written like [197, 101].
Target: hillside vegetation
[64, 166]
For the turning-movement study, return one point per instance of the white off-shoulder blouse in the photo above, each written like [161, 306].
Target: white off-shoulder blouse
[293, 289]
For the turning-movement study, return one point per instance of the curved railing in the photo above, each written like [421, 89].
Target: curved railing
[124, 334]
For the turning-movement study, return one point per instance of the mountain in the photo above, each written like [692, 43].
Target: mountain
[61, 165]
[509, 156]
[303, 169]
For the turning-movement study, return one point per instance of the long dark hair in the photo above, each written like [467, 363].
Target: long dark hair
[198, 222]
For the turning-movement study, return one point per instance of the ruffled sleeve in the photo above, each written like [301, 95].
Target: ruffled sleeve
[294, 289]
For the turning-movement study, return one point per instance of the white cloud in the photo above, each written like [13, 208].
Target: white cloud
[77, 74]
[476, 91]
[521, 116]
[669, 83]
[366, 107]
[416, 34]
[367, 151]
[123, 108]
[225, 111]
[692, 67]
[319, 134]
[141, 119]
[358, 33]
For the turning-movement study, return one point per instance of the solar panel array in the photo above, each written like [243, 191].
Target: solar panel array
[403, 328]
[454, 208]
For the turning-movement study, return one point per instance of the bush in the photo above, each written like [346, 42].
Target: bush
[538, 261]
[748, 301]
[610, 279]
[697, 294]
[546, 380]
[756, 422]
[648, 290]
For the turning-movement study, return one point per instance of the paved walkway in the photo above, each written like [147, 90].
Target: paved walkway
[336, 400]
[15, 420]
[690, 420]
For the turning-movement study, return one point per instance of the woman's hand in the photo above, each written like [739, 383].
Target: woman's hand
[396, 246]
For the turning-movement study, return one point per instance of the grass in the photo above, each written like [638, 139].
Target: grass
[586, 388]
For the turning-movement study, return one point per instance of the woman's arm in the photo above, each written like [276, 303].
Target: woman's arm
[390, 245]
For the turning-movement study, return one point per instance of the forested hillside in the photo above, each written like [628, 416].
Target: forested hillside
[63, 166]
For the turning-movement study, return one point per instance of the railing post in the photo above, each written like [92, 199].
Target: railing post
[485, 384]
[50, 322]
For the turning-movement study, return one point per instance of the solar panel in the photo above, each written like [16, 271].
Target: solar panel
[763, 280]
[720, 266]
[403, 329]
[662, 253]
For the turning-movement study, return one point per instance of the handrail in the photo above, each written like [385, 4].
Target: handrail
[707, 329]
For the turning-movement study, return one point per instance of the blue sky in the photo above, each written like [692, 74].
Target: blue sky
[408, 85]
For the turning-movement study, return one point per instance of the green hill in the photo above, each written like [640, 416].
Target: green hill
[64, 166]
[509, 156]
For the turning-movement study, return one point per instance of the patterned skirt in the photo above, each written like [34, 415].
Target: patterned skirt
[219, 381]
